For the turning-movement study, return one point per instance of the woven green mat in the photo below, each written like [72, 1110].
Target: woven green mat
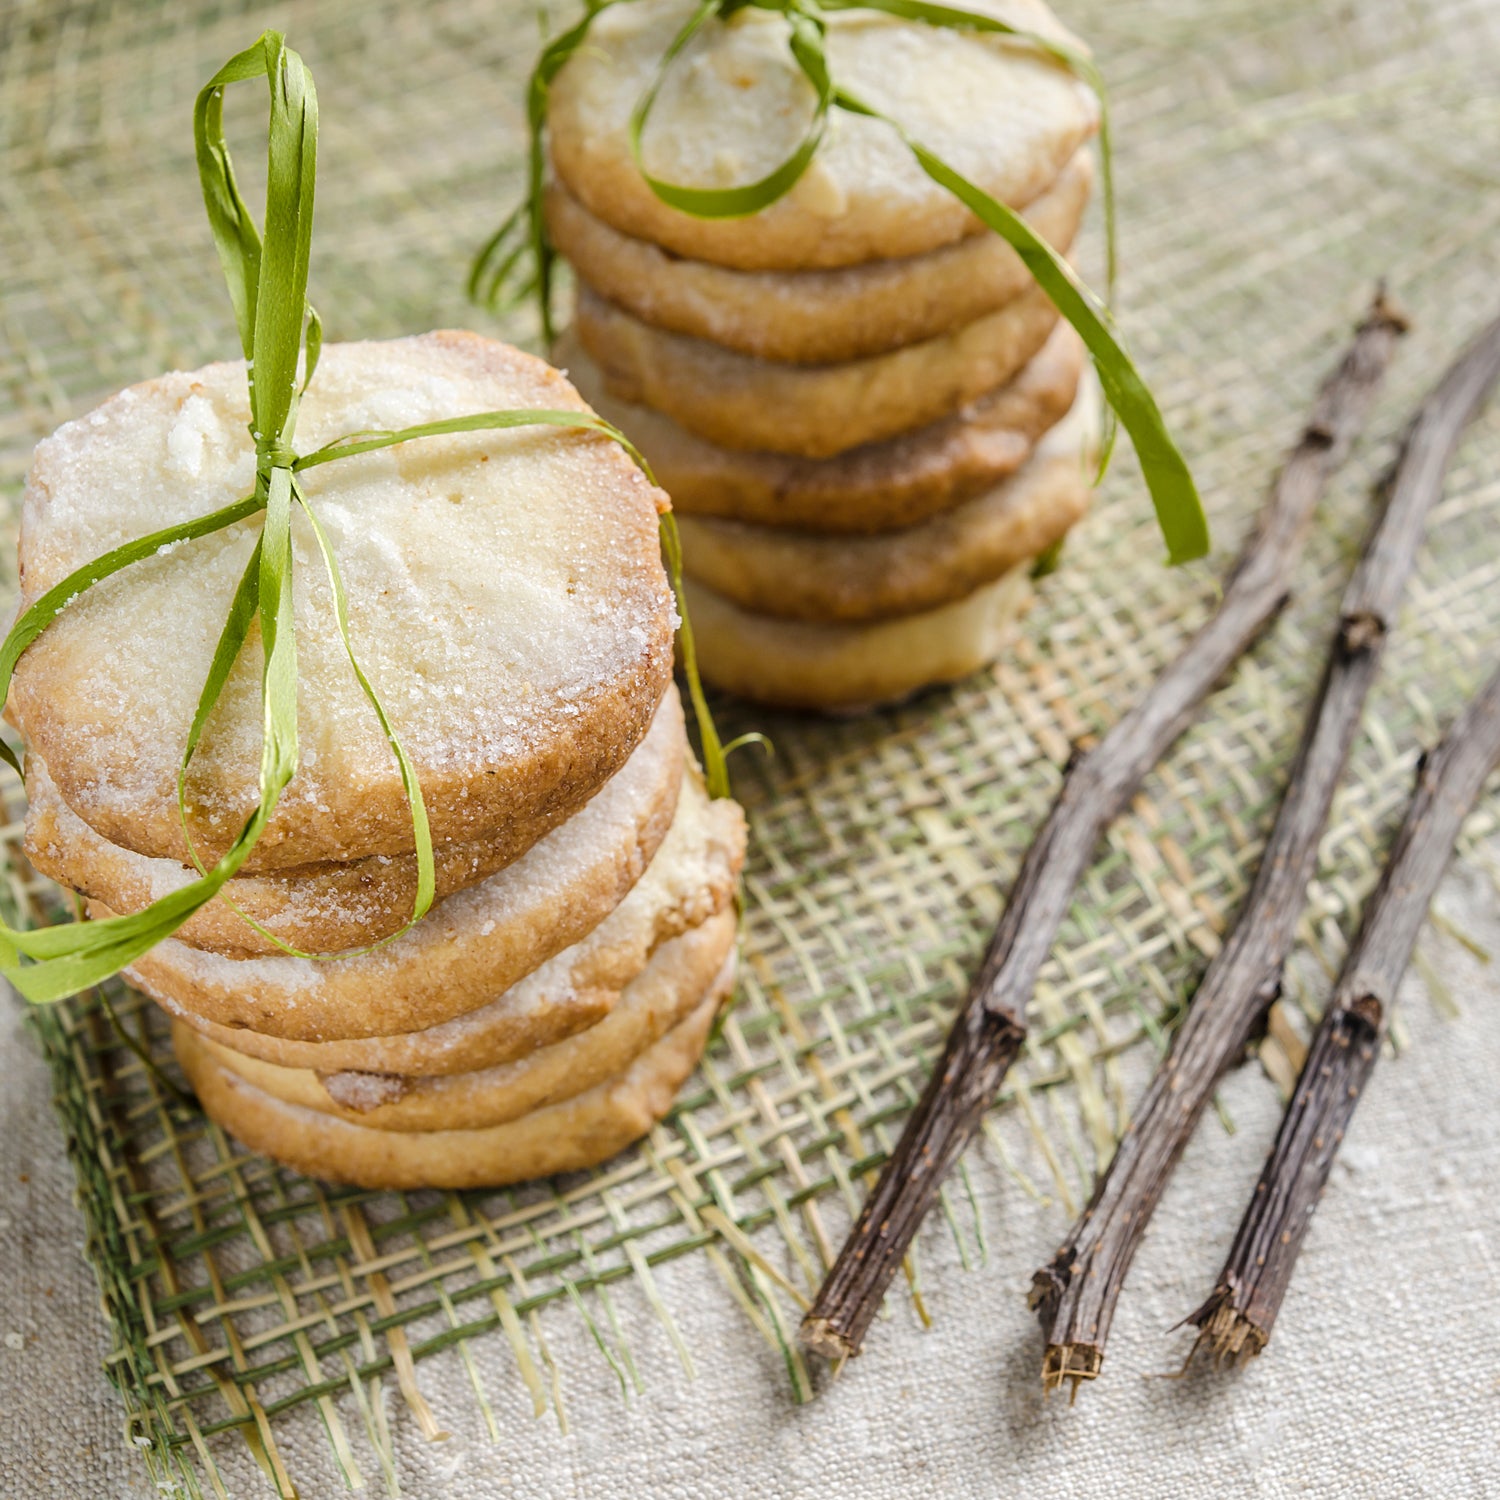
[1275, 158]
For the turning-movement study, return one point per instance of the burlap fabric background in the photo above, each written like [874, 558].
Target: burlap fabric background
[1275, 158]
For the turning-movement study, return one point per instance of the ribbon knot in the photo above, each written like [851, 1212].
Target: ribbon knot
[273, 455]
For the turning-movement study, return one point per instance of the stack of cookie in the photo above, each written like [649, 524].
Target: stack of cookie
[868, 415]
[508, 602]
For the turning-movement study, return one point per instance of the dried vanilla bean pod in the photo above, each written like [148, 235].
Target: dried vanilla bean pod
[1239, 1313]
[988, 1032]
[1075, 1293]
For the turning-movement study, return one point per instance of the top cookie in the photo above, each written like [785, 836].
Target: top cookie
[735, 104]
[506, 595]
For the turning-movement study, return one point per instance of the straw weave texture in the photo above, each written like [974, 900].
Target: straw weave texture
[1275, 159]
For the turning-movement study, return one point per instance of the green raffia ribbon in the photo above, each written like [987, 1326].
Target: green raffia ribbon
[279, 332]
[518, 260]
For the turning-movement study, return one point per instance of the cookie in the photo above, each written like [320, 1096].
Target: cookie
[843, 668]
[814, 317]
[797, 575]
[878, 487]
[563, 1137]
[734, 105]
[812, 411]
[330, 907]
[680, 974]
[506, 593]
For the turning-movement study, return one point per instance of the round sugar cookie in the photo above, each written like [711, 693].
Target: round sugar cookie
[563, 1137]
[877, 487]
[675, 982]
[329, 907]
[796, 575]
[814, 317]
[845, 668]
[535, 1012]
[506, 594]
[469, 952]
[734, 105]
[813, 411]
